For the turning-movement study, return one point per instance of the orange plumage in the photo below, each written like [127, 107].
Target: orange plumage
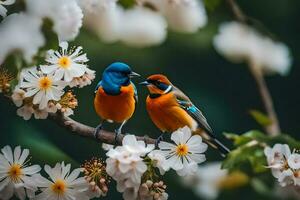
[167, 115]
[170, 109]
[117, 108]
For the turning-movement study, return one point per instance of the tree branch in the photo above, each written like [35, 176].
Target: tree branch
[274, 128]
[237, 11]
[83, 130]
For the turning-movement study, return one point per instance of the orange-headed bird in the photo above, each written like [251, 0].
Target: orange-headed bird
[116, 96]
[170, 109]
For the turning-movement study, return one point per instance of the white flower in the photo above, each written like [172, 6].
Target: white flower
[185, 15]
[3, 10]
[142, 27]
[132, 146]
[18, 96]
[107, 25]
[187, 149]
[63, 184]
[65, 64]
[277, 158]
[107, 147]
[205, 182]
[91, 6]
[40, 114]
[15, 174]
[294, 161]
[20, 32]
[51, 108]
[189, 170]
[84, 80]
[43, 88]
[286, 178]
[159, 161]
[137, 27]
[66, 16]
[125, 165]
[239, 42]
[114, 155]
[25, 111]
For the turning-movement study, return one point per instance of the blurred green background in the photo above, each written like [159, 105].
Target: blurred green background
[224, 91]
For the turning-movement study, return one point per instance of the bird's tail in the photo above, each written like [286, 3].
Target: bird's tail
[213, 142]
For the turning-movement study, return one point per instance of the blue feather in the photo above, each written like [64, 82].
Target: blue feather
[114, 77]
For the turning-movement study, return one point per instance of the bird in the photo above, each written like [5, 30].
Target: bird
[170, 109]
[115, 96]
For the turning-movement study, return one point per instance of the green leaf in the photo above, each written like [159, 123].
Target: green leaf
[260, 118]
[239, 140]
[284, 139]
[127, 3]
[250, 150]
[211, 5]
[246, 158]
[260, 187]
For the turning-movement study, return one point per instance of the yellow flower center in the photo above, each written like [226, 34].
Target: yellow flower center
[182, 150]
[45, 83]
[64, 62]
[15, 173]
[59, 187]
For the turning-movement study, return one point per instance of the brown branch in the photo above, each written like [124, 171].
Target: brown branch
[237, 11]
[274, 128]
[83, 130]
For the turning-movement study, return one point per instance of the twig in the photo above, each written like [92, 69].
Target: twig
[83, 130]
[237, 11]
[274, 128]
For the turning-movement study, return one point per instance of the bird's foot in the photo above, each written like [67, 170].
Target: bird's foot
[97, 131]
[158, 140]
[117, 134]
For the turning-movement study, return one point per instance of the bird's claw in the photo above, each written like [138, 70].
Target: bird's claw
[117, 133]
[97, 131]
[158, 140]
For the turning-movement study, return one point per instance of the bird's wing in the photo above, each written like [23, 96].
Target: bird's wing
[98, 85]
[135, 93]
[185, 103]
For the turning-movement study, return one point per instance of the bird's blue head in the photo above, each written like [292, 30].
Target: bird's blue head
[115, 76]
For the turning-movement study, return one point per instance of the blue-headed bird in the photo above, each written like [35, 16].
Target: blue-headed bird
[170, 109]
[115, 96]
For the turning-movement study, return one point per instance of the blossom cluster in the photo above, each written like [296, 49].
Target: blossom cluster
[143, 25]
[18, 178]
[22, 31]
[133, 164]
[146, 23]
[284, 164]
[41, 89]
[239, 42]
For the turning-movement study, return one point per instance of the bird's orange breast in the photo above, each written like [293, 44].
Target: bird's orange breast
[115, 107]
[167, 115]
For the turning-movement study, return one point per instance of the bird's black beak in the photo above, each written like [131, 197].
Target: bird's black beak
[145, 83]
[133, 75]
